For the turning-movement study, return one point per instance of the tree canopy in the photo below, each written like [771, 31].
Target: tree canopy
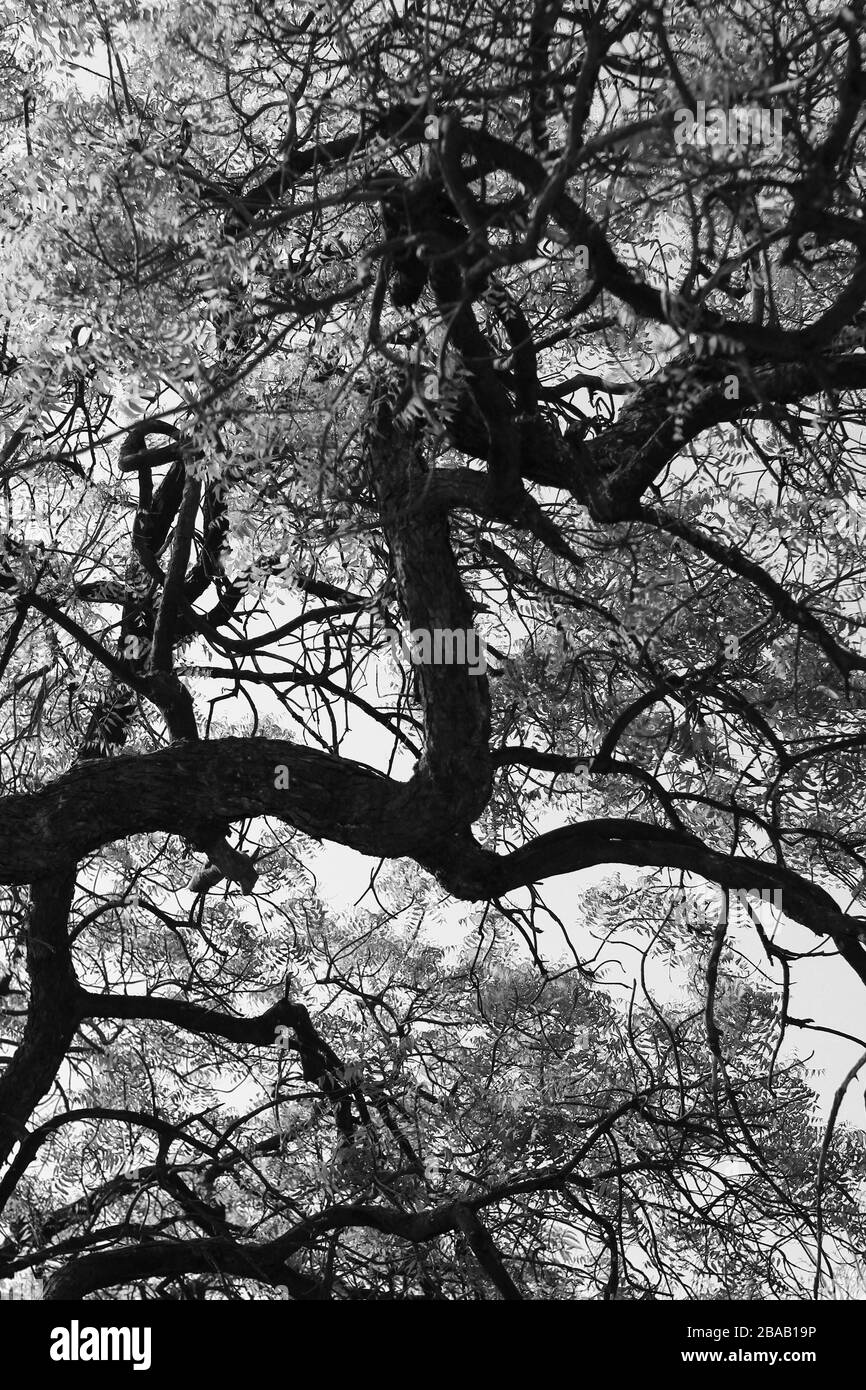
[333, 333]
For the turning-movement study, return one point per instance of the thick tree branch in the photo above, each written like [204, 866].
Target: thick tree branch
[484, 1250]
[333, 798]
[53, 1008]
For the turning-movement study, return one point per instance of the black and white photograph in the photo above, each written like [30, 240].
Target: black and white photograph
[432, 681]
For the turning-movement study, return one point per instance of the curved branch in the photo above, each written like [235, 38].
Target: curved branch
[336, 799]
[53, 1011]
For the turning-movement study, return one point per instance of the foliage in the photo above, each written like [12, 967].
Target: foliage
[322, 320]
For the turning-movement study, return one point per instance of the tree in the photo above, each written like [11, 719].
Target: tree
[536, 335]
